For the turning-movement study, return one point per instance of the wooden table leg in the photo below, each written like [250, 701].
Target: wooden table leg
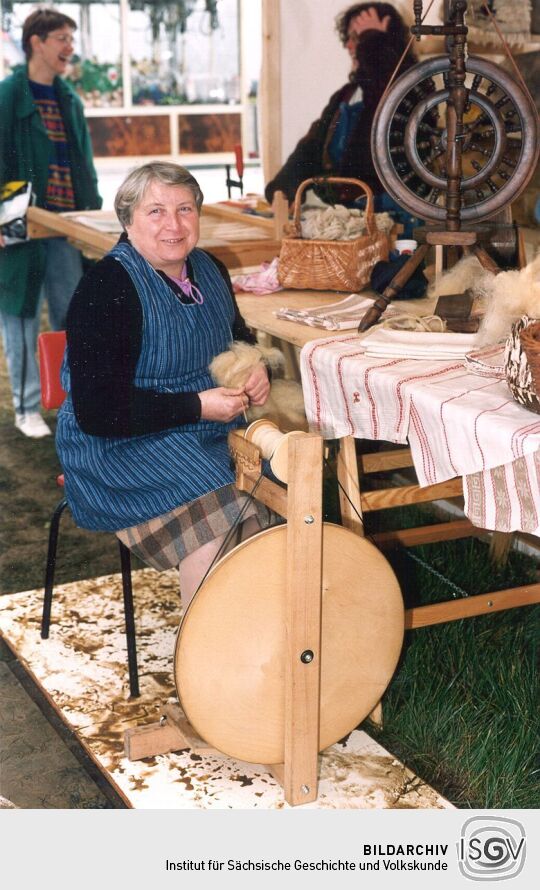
[499, 547]
[349, 486]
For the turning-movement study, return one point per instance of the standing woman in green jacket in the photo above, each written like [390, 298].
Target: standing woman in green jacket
[44, 140]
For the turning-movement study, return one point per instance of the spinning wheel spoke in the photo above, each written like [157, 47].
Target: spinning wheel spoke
[498, 139]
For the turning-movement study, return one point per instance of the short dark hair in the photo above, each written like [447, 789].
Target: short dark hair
[42, 22]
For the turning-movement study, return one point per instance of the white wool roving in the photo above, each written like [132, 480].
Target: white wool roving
[285, 404]
[509, 295]
[465, 274]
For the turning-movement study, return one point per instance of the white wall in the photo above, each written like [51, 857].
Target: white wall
[313, 62]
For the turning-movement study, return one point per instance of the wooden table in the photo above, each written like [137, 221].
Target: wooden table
[289, 336]
[237, 239]
[258, 311]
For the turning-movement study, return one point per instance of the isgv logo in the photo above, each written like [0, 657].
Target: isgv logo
[491, 848]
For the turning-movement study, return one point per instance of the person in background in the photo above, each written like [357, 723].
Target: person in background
[44, 140]
[338, 143]
[142, 434]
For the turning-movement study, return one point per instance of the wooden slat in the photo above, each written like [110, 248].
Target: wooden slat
[173, 734]
[153, 739]
[400, 496]
[456, 239]
[58, 224]
[386, 460]
[303, 619]
[272, 495]
[483, 604]
[427, 534]
[231, 214]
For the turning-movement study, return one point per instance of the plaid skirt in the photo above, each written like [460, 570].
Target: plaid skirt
[164, 541]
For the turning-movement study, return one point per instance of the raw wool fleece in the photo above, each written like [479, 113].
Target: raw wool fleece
[285, 404]
[508, 295]
[339, 223]
[504, 297]
[466, 273]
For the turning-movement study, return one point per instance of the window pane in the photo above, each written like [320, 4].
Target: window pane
[184, 52]
[96, 73]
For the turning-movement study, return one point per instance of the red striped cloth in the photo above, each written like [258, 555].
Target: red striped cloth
[457, 423]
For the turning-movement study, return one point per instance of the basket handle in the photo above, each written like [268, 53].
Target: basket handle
[341, 180]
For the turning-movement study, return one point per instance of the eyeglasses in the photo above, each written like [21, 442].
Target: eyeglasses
[61, 38]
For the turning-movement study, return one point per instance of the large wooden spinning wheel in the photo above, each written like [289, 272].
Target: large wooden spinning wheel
[231, 648]
[499, 139]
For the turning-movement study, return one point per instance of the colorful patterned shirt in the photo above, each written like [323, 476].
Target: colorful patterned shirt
[60, 194]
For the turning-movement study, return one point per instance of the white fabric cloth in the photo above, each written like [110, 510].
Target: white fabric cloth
[345, 315]
[417, 344]
[506, 498]
[489, 361]
[457, 423]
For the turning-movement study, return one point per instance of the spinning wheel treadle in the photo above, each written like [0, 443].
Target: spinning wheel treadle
[498, 139]
[231, 648]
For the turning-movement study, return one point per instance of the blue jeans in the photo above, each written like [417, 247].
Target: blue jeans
[63, 272]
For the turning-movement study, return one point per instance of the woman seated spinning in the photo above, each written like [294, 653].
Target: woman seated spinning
[142, 434]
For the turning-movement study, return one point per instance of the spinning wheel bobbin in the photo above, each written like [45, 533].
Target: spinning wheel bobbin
[273, 445]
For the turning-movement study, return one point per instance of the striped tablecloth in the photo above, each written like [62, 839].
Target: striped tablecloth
[457, 423]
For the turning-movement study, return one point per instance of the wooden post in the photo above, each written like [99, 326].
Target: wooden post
[270, 89]
[349, 486]
[280, 206]
[499, 547]
[303, 619]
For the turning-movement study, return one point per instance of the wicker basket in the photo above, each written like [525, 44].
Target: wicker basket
[522, 362]
[331, 265]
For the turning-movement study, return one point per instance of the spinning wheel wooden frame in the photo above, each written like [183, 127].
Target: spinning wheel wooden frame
[302, 500]
[466, 170]
[301, 504]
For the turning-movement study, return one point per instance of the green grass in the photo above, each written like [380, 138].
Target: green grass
[462, 708]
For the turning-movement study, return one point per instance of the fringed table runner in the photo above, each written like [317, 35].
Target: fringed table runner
[457, 423]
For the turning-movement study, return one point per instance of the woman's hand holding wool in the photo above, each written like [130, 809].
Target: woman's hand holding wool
[257, 387]
[222, 404]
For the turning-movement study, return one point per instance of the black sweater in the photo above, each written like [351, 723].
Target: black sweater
[104, 336]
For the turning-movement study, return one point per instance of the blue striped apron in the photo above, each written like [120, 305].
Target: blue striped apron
[115, 482]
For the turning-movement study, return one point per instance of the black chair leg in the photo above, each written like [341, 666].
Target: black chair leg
[50, 568]
[125, 562]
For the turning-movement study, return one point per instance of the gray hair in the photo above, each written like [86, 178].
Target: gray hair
[132, 190]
